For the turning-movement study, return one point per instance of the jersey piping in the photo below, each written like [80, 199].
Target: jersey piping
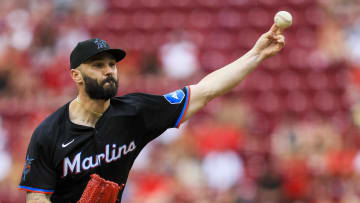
[31, 189]
[185, 107]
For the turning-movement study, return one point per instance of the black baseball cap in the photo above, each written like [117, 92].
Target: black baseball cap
[88, 48]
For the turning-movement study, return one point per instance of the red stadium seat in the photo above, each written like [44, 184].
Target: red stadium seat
[298, 59]
[124, 4]
[153, 3]
[315, 16]
[200, 19]
[247, 37]
[260, 18]
[268, 102]
[210, 3]
[134, 40]
[318, 61]
[341, 120]
[267, 121]
[289, 80]
[300, 3]
[276, 63]
[118, 22]
[182, 3]
[156, 39]
[212, 59]
[325, 101]
[218, 40]
[271, 3]
[317, 81]
[261, 81]
[297, 101]
[197, 37]
[306, 37]
[172, 19]
[239, 3]
[339, 79]
[231, 18]
[144, 20]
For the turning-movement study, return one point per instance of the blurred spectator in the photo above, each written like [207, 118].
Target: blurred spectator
[270, 184]
[20, 32]
[5, 157]
[223, 169]
[150, 64]
[179, 57]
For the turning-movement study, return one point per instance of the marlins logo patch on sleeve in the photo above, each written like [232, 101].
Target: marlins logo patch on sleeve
[175, 97]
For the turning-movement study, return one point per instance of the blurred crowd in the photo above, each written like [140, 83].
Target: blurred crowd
[288, 134]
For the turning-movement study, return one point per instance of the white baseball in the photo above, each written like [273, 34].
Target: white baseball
[283, 19]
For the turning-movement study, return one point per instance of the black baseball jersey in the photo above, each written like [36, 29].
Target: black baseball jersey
[62, 155]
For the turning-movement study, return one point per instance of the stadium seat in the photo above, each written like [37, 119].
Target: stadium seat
[119, 22]
[306, 37]
[144, 20]
[261, 81]
[218, 40]
[200, 19]
[123, 4]
[231, 18]
[289, 80]
[173, 19]
[300, 3]
[324, 101]
[317, 80]
[276, 63]
[298, 59]
[244, 4]
[297, 101]
[271, 3]
[156, 39]
[314, 16]
[212, 59]
[182, 3]
[210, 3]
[247, 38]
[268, 102]
[341, 120]
[260, 18]
[152, 3]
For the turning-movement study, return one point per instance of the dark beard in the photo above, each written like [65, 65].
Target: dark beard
[97, 91]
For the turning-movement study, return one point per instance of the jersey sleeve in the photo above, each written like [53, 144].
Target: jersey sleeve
[161, 112]
[38, 174]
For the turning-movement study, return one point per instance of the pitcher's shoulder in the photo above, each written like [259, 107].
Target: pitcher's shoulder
[52, 123]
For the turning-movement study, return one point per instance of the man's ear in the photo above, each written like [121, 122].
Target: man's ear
[76, 76]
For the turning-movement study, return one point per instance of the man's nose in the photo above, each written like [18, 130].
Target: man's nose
[109, 70]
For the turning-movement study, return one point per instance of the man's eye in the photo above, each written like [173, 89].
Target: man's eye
[111, 64]
[98, 65]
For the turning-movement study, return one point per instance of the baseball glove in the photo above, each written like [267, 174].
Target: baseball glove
[99, 190]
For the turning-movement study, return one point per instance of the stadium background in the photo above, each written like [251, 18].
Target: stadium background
[288, 133]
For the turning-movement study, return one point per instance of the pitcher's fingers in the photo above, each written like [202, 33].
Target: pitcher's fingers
[274, 29]
[273, 32]
[280, 39]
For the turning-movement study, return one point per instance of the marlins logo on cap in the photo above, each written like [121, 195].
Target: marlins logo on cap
[100, 43]
[88, 48]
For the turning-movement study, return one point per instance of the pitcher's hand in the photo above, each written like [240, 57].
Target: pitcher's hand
[270, 43]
